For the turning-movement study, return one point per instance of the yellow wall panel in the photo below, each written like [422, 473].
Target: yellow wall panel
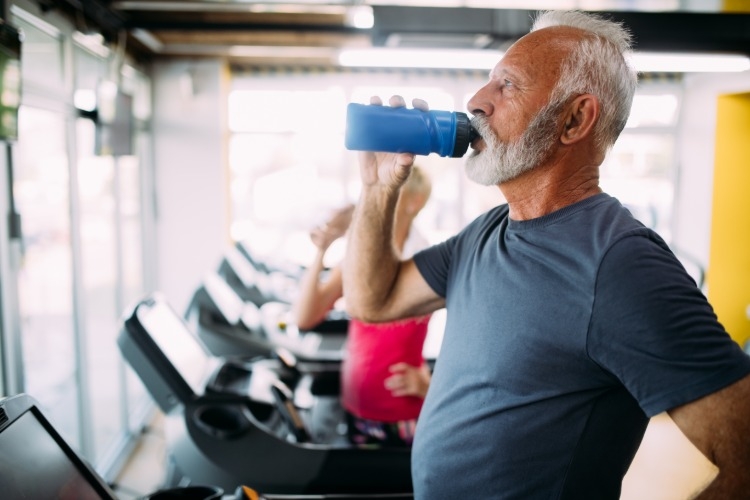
[728, 273]
[735, 6]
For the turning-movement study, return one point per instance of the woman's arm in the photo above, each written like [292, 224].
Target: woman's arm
[316, 297]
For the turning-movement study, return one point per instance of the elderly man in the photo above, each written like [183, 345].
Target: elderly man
[569, 322]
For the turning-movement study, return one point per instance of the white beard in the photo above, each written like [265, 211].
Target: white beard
[501, 162]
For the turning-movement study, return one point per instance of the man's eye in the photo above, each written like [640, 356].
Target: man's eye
[507, 83]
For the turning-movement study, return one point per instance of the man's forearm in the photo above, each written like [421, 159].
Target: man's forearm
[724, 487]
[371, 263]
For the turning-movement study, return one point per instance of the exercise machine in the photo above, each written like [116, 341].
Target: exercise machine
[38, 463]
[273, 424]
[230, 326]
[256, 284]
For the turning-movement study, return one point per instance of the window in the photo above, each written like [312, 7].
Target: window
[641, 168]
[289, 166]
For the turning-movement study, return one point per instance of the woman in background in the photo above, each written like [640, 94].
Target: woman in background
[384, 377]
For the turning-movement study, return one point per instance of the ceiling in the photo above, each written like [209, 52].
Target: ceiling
[311, 32]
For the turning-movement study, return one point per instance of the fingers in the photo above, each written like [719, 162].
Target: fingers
[399, 367]
[339, 221]
[319, 239]
[407, 380]
[398, 385]
[387, 169]
[324, 235]
[396, 101]
[420, 104]
[405, 159]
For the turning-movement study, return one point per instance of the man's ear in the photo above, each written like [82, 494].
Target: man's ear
[580, 117]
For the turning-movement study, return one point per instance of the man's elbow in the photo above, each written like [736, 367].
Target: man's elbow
[365, 314]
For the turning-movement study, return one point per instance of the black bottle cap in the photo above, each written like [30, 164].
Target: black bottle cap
[465, 133]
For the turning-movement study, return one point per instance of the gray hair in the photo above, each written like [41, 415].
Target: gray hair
[599, 65]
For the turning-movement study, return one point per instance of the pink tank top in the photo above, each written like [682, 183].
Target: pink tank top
[370, 350]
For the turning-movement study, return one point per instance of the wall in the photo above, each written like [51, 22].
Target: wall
[191, 179]
[696, 144]
[730, 232]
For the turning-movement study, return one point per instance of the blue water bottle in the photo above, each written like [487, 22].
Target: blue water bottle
[407, 130]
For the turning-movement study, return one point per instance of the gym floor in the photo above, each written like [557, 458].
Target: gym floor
[145, 471]
[666, 467]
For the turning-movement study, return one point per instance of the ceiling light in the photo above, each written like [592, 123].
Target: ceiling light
[647, 62]
[486, 60]
[360, 17]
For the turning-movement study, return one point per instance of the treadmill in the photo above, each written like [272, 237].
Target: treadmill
[228, 325]
[274, 425]
[37, 463]
[256, 284]
[269, 264]
[231, 326]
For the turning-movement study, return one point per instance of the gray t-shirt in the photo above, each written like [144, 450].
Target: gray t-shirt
[563, 335]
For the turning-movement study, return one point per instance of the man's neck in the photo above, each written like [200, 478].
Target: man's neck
[549, 188]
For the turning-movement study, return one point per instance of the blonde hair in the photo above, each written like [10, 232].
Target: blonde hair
[418, 182]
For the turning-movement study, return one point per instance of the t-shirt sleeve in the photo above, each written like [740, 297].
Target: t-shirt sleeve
[434, 264]
[654, 330]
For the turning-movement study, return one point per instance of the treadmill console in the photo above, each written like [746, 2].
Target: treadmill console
[36, 462]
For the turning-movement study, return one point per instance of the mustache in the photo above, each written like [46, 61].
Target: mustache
[478, 123]
[482, 126]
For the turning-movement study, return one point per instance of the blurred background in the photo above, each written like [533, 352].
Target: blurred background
[144, 138]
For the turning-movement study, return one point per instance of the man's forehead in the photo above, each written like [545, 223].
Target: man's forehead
[537, 51]
[515, 64]
[503, 69]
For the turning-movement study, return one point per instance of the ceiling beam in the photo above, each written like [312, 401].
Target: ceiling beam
[673, 31]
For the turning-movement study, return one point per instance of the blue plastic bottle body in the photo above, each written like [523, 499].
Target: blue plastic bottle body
[400, 130]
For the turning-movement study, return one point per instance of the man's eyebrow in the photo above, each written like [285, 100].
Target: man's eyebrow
[505, 73]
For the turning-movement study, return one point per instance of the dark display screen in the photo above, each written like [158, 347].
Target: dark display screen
[34, 466]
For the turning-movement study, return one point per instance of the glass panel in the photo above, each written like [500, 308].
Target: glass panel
[41, 57]
[45, 279]
[639, 172]
[99, 278]
[303, 154]
[140, 88]
[134, 225]
[271, 110]
[132, 231]
[287, 174]
[90, 70]
[653, 110]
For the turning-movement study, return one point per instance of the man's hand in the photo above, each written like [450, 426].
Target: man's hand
[388, 169]
[378, 285]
